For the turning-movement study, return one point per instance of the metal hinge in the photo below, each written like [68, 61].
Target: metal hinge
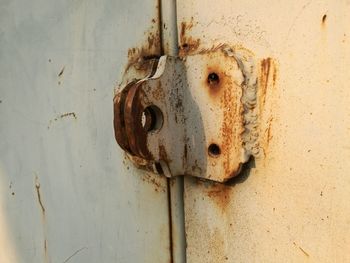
[192, 116]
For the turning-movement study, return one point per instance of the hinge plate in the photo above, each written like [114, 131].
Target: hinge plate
[192, 116]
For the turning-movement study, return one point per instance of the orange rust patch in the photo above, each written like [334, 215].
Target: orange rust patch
[150, 49]
[233, 120]
[267, 77]
[188, 44]
[267, 82]
[220, 194]
[157, 182]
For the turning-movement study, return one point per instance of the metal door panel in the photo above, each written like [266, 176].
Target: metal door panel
[68, 194]
[291, 203]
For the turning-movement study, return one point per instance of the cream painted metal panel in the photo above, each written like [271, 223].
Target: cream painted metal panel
[67, 192]
[292, 204]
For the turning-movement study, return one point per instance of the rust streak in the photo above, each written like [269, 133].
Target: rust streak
[220, 194]
[267, 81]
[265, 67]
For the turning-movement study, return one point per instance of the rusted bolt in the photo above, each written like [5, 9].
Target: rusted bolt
[185, 46]
[152, 118]
[214, 150]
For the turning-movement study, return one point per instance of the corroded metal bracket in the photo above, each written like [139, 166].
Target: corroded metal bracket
[192, 116]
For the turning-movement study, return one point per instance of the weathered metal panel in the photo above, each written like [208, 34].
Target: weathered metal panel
[290, 204]
[68, 194]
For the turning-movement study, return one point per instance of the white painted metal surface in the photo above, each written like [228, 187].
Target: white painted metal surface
[292, 205]
[67, 192]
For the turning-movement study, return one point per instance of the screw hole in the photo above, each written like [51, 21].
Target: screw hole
[214, 150]
[213, 79]
[152, 118]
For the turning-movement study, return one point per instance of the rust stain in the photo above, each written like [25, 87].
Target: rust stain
[220, 194]
[267, 82]
[265, 68]
[324, 18]
[155, 180]
[219, 85]
[232, 124]
[188, 45]
[139, 57]
[214, 81]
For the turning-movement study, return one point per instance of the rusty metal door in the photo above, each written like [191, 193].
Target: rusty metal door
[291, 202]
[67, 192]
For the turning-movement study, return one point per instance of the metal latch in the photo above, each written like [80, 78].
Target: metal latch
[192, 116]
